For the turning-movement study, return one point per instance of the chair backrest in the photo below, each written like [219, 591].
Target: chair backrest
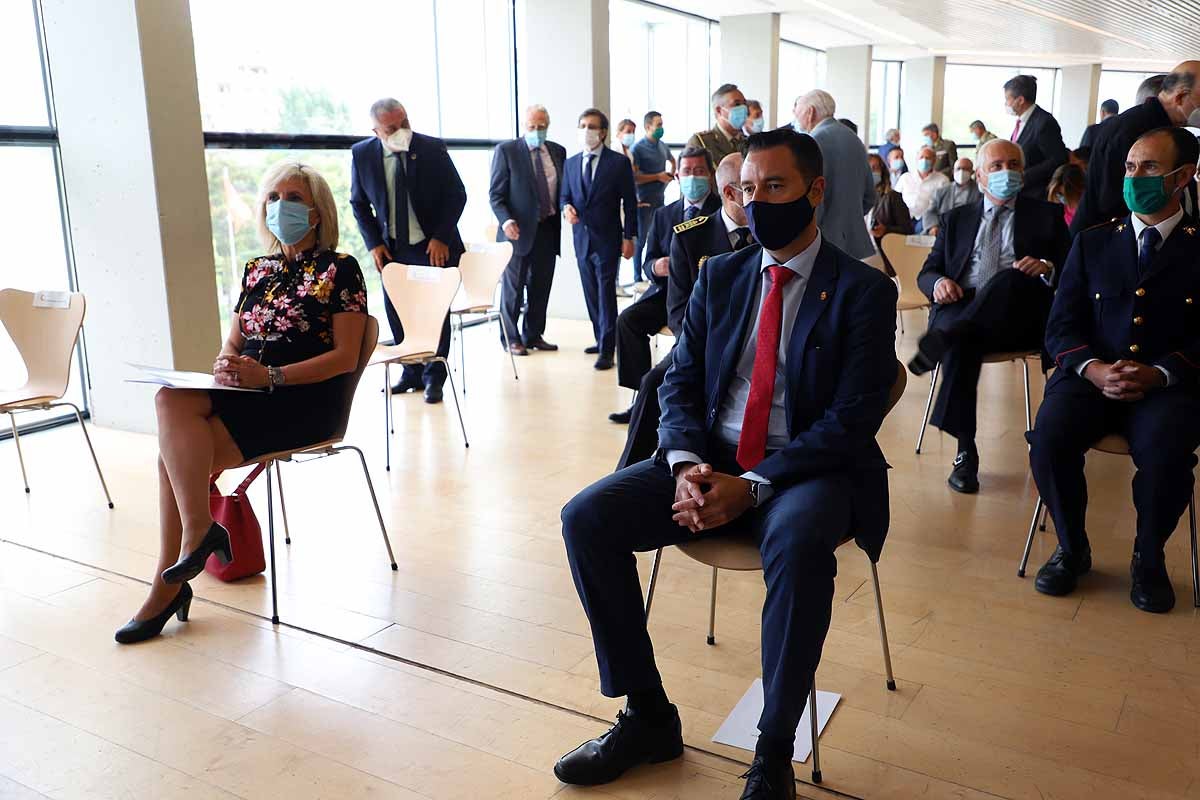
[482, 266]
[421, 296]
[45, 337]
[490, 232]
[897, 387]
[370, 338]
[906, 259]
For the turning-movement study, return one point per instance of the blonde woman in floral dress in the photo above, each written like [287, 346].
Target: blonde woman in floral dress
[297, 331]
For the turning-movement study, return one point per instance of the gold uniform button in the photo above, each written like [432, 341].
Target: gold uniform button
[1133, 348]
[1138, 320]
[1140, 292]
[1097, 295]
[1188, 300]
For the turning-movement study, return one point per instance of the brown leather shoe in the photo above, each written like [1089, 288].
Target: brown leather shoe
[518, 349]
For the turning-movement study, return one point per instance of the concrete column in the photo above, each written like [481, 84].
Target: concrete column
[750, 58]
[848, 79]
[565, 67]
[1080, 101]
[921, 99]
[133, 168]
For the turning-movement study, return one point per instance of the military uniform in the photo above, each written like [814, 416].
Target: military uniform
[718, 143]
[1112, 304]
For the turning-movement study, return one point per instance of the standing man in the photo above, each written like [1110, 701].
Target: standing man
[650, 156]
[1174, 105]
[526, 174]
[963, 191]
[980, 134]
[945, 151]
[597, 192]
[1109, 108]
[754, 118]
[407, 199]
[1037, 133]
[731, 113]
[988, 276]
[849, 189]
[1126, 339]
[777, 388]
[891, 141]
[648, 315]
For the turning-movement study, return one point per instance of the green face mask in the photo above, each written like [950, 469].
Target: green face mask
[658, 132]
[1147, 194]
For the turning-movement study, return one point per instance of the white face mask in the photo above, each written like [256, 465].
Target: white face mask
[962, 177]
[1193, 120]
[1010, 111]
[399, 141]
[589, 139]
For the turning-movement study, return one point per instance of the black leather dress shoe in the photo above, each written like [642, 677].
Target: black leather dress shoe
[191, 565]
[134, 631]
[433, 393]
[405, 385]
[770, 779]
[930, 350]
[964, 477]
[621, 417]
[591, 351]
[542, 344]
[633, 741]
[604, 362]
[1060, 574]
[1152, 590]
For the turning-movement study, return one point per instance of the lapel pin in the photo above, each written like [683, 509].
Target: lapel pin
[1190, 230]
[1121, 227]
[824, 295]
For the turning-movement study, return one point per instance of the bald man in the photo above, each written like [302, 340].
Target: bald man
[1176, 102]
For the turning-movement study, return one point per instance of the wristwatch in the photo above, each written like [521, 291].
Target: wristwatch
[275, 377]
[760, 492]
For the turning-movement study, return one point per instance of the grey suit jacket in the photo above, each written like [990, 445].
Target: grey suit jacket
[849, 191]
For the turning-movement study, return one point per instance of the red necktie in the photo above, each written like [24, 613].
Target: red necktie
[1016, 131]
[752, 444]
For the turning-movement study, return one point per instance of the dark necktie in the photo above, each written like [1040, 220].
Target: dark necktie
[587, 174]
[1150, 239]
[691, 213]
[752, 443]
[545, 206]
[401, 200]
[741, 238]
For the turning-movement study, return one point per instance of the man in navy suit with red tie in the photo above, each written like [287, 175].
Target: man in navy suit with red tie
[791, 463]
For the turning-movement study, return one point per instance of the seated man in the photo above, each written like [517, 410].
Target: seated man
[693, 243]
[962, 192]
[988, 276]
[637, 323]
[792, 464]
[1126, 339]
[918, 187]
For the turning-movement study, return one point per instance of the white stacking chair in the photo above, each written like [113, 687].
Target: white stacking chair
[907, 255]
[482, 268]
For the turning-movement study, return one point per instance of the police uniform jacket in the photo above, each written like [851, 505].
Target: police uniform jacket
[695, 241]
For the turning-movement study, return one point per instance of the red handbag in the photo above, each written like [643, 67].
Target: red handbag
[236, 515]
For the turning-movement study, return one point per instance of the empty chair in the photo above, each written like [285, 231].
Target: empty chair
[994, 358]
[482, 267]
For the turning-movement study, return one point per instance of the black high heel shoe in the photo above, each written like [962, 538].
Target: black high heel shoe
[135, 631]
[191, 565]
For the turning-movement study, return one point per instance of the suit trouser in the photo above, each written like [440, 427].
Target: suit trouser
[645, 213]
[435, 373]
[796, 530]
[599, 278]
[642, 439]
[1163, 431]
[1009, 313]
[531, 274]
[635, 326]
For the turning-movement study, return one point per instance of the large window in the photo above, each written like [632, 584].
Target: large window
[801, 69]
[662, 60]
[32, 210]
[885, 99]
[977, 92]
[1120, 86]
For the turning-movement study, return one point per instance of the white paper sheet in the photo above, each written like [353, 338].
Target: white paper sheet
[740, 728]
[179, 379]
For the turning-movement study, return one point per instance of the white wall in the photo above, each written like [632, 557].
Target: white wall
[921, 100]
[848, 79]
[750, 58]
[1080, 96]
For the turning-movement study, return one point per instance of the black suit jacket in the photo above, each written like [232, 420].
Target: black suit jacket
[1089, 134]
[662, 231]
[1041, 141]
[1038, 231]
[689, 250]
[1102, 193]
[435, 191]
[513, 192]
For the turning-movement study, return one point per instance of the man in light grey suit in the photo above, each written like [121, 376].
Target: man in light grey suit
[849, 190]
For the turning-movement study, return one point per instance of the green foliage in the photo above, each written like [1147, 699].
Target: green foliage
[311, 111]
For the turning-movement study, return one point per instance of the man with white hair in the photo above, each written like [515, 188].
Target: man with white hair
[989, 276]
[891, 141]
[849, 189]
[407, 198]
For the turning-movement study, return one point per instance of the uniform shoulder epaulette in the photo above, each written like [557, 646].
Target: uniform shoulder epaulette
[691, 223]
[1099, 225]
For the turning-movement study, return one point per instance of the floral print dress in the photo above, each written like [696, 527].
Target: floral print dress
[286, 313]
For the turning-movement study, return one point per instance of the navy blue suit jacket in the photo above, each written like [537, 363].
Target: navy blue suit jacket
[435, 191]
[599, 229]
[662, 231]
[841, 365]
[1041, 141]
[1101, 295]
[513, 192]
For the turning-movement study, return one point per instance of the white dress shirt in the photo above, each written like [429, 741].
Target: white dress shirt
[392, 162]
[731, 227]
[918, 192]
[1024, 117]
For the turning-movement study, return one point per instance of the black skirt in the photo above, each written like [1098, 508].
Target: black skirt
[288, 418]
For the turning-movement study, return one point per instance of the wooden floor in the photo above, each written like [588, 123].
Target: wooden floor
[482, 671]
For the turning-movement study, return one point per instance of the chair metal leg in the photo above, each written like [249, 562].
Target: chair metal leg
[271, 542]
[900, 316]
[388, 427]
[712, 609]
[287, 531]
[374, 499]
[1195, 566]
[1037, 511]
[507, 346]
[462, 354]
[887, 651]
[457, 408]
[812, 722]
[933, 376]
[1028, 406]
[12, 421]
[1045, 513]
[92, 450]
[653, 581]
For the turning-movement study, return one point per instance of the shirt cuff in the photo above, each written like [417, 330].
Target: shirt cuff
[1166, 374]
[1082, 368]
[680, 456]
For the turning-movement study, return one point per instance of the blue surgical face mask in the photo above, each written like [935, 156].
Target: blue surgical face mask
[287, 220]
[1004, 184]
[756, 125]
[627, 139]
[924, 164]
[928, 140]
[536, 138]
[693, 187]
[737, 115]
[897, 164]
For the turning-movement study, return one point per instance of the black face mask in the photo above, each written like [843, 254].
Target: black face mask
[776, 225]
